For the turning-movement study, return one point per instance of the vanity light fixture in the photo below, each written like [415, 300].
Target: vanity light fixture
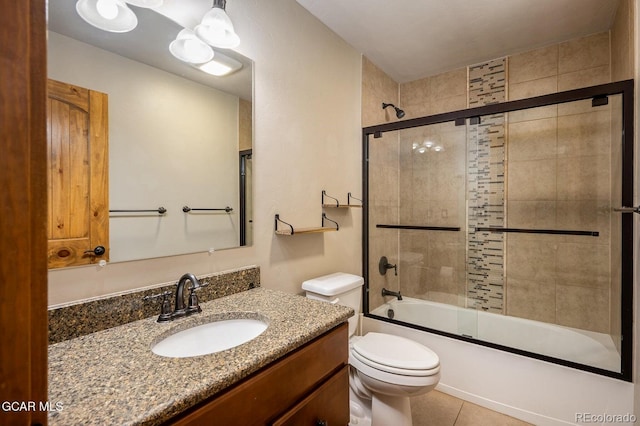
[189, 48]
[216, 27]
[112, 15]
[108, 15]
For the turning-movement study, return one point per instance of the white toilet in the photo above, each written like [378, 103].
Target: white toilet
[385, 370]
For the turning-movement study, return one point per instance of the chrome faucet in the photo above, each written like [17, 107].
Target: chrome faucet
[180, 310]
[386, 292]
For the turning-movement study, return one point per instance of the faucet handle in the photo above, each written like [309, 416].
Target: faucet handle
[165, 308]
[193, 305]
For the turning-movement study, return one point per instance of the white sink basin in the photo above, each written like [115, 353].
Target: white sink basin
[209, 338]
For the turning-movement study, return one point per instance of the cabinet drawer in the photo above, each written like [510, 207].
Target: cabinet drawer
[264, 396]
[328, 405]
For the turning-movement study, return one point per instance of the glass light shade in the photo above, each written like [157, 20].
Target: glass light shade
[221, 65]
[108, 15]
[189, 48]
[217, 30]
[146, 3]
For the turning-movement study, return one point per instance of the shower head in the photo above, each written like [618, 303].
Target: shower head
[399, 112]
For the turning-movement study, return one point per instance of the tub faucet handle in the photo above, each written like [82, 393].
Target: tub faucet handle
[384, 265]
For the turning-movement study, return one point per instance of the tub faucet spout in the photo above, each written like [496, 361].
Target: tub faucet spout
[386, 292]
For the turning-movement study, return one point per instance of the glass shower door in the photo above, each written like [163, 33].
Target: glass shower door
[504, 228]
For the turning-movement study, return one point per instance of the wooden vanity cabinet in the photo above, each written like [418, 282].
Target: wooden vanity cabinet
[306, 387]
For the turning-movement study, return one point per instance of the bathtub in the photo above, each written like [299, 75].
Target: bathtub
[566, 343]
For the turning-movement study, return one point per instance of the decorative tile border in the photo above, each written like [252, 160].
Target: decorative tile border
[486, 189]
[68, 322]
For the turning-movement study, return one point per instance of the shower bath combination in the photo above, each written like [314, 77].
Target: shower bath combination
[478, 249]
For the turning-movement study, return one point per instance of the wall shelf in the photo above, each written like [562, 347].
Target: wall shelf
[290, 230]
[337, 205]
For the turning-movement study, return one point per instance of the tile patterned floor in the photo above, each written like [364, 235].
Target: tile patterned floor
[439, 409]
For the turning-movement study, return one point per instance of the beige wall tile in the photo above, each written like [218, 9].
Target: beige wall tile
[584, 265]
[532, 257]
[448, 84]
[581, 307]
[532, 214]
[533, 300]
[584, 78]
[582, 53]
[622, 42]
[377, 87]
[414, 92]
[532, 180]
[583, 178]
[452, 103]
[584, 134]
[532, 140]
[533, 65]
[528, 89]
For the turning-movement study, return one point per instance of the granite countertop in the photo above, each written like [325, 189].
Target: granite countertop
[111, 377]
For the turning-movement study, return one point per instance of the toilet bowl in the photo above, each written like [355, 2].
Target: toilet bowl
[385, 370]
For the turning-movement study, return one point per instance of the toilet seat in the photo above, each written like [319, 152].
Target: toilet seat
[394, 370]
[395, 354]
[394, 359]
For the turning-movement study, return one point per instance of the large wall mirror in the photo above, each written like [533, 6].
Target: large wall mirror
[178, 138]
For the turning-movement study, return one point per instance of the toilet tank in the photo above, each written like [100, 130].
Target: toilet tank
[338, 288]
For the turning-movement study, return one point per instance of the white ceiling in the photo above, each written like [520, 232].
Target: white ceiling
[411, 39]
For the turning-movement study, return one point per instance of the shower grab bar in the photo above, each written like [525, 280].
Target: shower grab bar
[420, 227]
[188, 209]
[539, 231]
[159, 210]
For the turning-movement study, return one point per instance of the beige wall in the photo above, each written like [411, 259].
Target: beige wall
[307, 133]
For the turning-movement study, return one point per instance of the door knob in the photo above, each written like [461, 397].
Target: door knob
[98, 251]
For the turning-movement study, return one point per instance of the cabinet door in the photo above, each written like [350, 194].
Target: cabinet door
[326, 406]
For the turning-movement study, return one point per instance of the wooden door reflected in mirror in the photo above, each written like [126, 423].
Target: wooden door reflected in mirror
[78, 179]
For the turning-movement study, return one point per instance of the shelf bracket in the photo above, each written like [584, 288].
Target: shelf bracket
[324, 217]
[277, 219]
[349, 197]
[324, 194]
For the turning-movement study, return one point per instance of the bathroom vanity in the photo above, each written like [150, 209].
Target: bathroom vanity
[295, 372]
[309, 386]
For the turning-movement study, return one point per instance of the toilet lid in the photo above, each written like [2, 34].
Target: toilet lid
[395, 352]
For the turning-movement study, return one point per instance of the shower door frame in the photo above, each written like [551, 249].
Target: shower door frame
[624, 88]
